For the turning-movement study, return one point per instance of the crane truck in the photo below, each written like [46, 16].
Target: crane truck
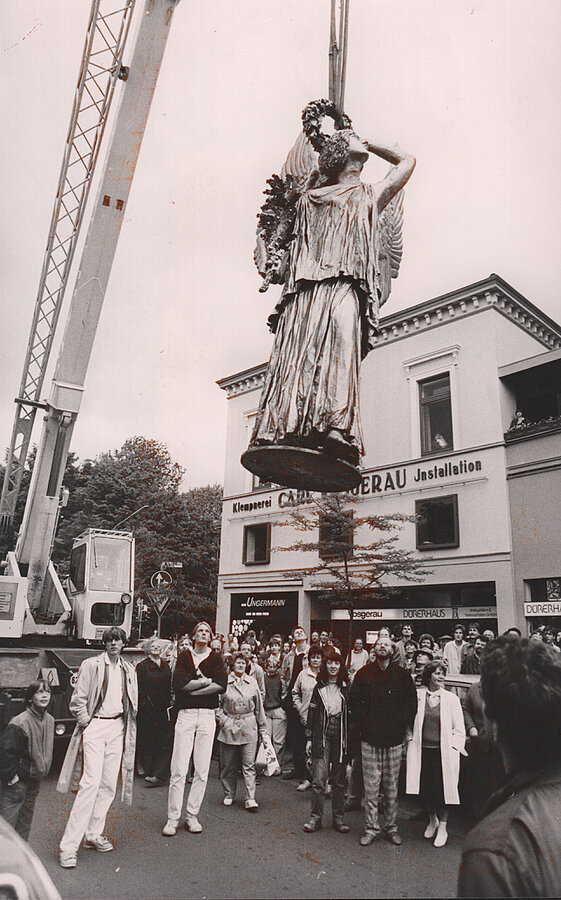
[45, 624]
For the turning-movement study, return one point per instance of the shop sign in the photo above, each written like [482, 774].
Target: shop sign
[547, 608]
[423, 612]
[385, 481]
[381, 481]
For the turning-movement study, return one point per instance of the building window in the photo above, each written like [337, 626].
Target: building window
[336, 536]
[78, 567]
[256, 544]
[435, 408]
[437, 523]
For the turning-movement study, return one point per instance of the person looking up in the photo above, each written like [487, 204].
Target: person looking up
[253, 667]
[241, 720]
[104, 703]
[327, 741]
[292, 665]
[198, 680]
[471, 663]
[154, 692]
[433, 754]
[275, 714]
[452, 653]
[302, 694]
[383, 703]
[358, 657]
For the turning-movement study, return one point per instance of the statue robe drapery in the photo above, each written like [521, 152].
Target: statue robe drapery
[325, 319]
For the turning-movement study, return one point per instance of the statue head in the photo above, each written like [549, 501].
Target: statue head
[338, 148]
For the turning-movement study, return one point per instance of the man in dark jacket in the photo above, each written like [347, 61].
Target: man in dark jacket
[383, 703]
[515, 851]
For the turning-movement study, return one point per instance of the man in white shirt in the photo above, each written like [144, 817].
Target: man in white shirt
[452, 653]
[104, 703]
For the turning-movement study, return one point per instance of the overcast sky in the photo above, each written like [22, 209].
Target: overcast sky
[472, 89]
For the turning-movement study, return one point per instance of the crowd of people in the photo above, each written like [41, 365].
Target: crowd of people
[349, 727]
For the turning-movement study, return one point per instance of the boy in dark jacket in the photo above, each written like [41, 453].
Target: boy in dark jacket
[26, 753]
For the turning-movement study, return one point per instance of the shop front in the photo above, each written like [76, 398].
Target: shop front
[544, 607]
[274, 612]
[433, 612]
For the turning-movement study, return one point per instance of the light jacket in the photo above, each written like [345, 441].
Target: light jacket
[88, 693]
[241, 715]
[452, 743]
[302, 692]
[288, 665]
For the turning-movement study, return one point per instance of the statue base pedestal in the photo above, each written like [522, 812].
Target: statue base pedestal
[299, 467]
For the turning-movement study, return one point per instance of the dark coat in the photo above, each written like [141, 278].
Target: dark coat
[515, 851]
[26, 747]
[316, 725]
[383, 704]
[154, 689]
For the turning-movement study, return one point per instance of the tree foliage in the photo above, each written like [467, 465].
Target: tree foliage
[353, 571]
[137, 488]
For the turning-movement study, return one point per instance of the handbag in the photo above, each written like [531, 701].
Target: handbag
[266, 759]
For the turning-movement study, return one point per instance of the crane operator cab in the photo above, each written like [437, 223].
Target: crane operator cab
[101, 582]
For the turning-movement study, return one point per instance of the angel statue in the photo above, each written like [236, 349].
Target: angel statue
[334, 243]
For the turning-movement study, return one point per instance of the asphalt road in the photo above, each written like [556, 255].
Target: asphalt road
[240, 855]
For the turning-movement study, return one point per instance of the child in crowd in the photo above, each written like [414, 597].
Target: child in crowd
[26, 753]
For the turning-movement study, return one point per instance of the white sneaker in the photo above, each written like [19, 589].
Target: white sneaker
[431, 828]
[193, 825]
[441, 835]
[170, 828]
[228, 801]
[251, 805]
[304, 785]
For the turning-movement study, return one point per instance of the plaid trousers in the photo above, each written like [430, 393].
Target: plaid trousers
[380, 767]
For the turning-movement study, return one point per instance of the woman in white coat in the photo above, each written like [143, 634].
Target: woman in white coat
[433, 755]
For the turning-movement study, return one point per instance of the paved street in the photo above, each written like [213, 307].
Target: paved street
[242, 855]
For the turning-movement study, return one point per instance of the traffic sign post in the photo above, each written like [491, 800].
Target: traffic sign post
[161, 579]
[159, 602]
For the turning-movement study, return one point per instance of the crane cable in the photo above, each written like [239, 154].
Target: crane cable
[338, 50]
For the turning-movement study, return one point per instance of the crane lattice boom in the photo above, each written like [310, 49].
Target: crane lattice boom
[106, 36]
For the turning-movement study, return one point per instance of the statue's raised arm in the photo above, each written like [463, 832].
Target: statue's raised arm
[397, 177]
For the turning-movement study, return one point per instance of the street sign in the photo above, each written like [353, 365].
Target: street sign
[160, 580]
[171, 565]
[160, 604]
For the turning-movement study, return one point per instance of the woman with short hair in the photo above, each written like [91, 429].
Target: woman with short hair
[241, 721]
[154, 692]
[433, 754]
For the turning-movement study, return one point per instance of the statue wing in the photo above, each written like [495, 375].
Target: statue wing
[390, 243]
[301, 161]
[277, 215]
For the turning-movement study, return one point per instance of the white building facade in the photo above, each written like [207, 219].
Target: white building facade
[434, 415]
